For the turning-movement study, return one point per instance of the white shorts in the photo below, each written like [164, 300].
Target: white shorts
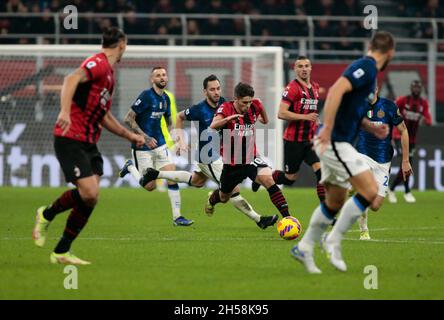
[381, 171]
[156, 158]
[213, 170]
[339, 162]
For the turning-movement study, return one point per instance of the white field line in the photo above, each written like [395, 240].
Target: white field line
[439, 241]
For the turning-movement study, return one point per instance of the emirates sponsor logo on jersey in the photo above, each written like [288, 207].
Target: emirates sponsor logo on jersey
[309, 104]
[411, 115]
[157, 115]
[244, 130]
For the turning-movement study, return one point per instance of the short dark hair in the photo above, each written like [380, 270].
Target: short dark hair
[211, 77]
[301, 58]
[243, 90]
[157, 68]
[382, 41]
[111, 37]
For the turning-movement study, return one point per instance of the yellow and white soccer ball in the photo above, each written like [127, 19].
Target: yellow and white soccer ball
[289, 228]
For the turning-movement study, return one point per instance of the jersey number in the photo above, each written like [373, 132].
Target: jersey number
[386, 181]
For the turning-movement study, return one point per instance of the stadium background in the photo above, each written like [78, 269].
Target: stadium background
[330, 32]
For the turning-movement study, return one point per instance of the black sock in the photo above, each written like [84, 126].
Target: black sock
[76, 221]
[215, 197]
[66, 201]
[280, 178]
[278, 200]
[320, 189]
[407, 185]
[397, 180]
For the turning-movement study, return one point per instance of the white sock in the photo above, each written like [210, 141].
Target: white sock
[176, 176]
[363, 221]
[174, 195]
[134, 172]
[349, 214]
[243, 206]
[318, 224]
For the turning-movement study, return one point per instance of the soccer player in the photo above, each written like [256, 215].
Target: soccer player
[299, 106]
[413, 109]
[209, 165]
[379, 152]
[345, 107]
[144, 117]
[85, 108]
[236, 120]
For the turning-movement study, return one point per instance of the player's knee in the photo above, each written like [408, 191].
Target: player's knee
[197, 183]
[224, 197]
[265, 181]
[90, 197]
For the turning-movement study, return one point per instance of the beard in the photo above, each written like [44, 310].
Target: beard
[160, 85]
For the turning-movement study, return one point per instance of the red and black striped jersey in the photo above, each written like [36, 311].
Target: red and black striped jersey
[301, 100]
[238, 141]
[91, 101]
[412, 110]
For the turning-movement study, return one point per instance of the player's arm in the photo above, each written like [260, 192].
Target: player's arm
[130, 120]
[285, 114]
[406, 166]
[263, 116]
[426, 114]
[334, 97]
[69, 87]
[114, 126]
[220, 121]
[180, 139]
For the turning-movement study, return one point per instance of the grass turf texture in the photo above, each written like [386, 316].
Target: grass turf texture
[138, 254]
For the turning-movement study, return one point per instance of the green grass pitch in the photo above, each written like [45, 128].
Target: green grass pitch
[138, 254]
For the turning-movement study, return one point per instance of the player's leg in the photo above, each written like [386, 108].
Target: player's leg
[89, 193]
[322, 217]
[143, 160]
[398, 179]
[163, 162]
[230, 177]
[408, 196]
[381, 173]
[292, 162]
[262, 174]
[366, 188]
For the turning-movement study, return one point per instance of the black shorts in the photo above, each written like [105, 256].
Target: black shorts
[233, 175]
[295, 153]
[398, 147]
[78, 159]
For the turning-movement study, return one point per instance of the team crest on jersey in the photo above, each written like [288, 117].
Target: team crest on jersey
[380, 114]
[370, 114]
[398, 112]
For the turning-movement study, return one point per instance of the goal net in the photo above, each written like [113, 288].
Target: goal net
[32, 77]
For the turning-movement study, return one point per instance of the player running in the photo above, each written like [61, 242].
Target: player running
[236, 121]
[299, 106]
[379, 152]
[413, 109]
[85, 108]
[144, 117]
[210, 164]
[345, 107]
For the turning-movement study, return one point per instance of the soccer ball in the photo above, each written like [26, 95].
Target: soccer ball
[289, 228]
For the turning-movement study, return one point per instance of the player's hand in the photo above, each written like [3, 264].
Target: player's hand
[311, 117]
[150, 142]
[323, 139]
[64, 121]
[181, 146]
[138, 140]
[407, 170]
[381, 131]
